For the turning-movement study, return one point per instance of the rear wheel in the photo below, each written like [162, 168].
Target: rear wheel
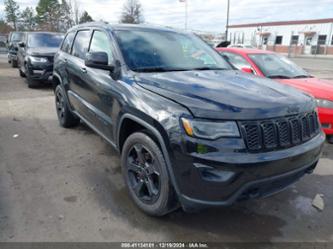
[330, 139]
[66, 118]
[145, 173]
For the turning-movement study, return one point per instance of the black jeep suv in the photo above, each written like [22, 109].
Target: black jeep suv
[190, 130]
[35, 56]
[13, 39]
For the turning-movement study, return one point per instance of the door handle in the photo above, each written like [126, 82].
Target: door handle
[83, 70]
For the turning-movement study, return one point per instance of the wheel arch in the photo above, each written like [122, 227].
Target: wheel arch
[159, 139]
[56, 80]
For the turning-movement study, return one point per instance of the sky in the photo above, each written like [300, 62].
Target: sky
[205, 15]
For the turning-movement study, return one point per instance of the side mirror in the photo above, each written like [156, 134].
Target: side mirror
[21, 44]
[247, 70]
[98, 60]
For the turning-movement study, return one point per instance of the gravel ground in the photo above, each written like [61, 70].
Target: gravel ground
[65, 185]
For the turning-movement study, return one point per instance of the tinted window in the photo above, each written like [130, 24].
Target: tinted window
[294, 39]
[278, 40]
[147, 51]
[81, 44]
[67, 44]
[332, 40]
[37, 40]
[101, 43]
[322, 40]
[17, 36]
[236, 60]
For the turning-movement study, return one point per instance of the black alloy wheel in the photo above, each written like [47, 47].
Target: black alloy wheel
[60, 105]
[143, 173]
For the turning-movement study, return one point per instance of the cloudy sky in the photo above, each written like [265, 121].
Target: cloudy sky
[206, 15]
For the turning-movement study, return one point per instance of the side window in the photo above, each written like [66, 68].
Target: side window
[67, 44]
[101, 43]
[237, 60]
[81, 44]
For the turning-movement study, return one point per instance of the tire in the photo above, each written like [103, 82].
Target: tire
[14, 64]
[66, 118]
[21, 73]
[330, 139]
[32, 83]
[146, 176]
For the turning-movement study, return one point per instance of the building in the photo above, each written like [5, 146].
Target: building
[298, 37]
[211, 38]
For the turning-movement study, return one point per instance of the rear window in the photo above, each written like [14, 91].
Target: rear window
[81, 44]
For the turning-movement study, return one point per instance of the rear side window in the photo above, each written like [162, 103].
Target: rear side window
[67, 44]
[81, 44]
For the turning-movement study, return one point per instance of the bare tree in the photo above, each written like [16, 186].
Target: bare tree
[76, 12]
[28, 19]
[132, 12]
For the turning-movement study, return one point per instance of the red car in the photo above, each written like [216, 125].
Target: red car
[274, 66]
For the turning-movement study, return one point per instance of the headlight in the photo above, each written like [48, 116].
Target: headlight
[324, 103]
[210, 130]
[38, 59]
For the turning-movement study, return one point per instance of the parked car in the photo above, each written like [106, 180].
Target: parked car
[241, 46]
[272, 65]
[35, 56]
[190, 130]
[13, 39]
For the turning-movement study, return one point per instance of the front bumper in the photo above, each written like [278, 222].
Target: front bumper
[224, 172]
[40, 71]
[326, 120]
[12, 56]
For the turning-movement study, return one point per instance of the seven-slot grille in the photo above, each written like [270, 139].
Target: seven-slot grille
[279, 133]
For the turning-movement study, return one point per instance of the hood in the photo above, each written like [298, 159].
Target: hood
[227, 94]
[42, 51]
[321, 89]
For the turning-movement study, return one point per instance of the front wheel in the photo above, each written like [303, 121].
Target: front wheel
[66, 118]
[146, 176]
[330, 139]
[14, 63]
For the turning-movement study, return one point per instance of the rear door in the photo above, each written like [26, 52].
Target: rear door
[62, 57]
[79, 92]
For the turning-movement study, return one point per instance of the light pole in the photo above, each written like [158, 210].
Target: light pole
[227, 24]
[186, 14]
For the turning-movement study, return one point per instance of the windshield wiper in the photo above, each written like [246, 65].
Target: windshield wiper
[278, 77]
[160, 69]
[170, 69]
[208, 68]
[302, 76]
[152, 69]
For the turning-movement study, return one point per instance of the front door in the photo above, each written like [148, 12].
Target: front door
[307, 44]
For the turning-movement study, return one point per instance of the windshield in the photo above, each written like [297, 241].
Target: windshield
[17, 36]
[149, 51]
[38, 40]
[277, 66]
